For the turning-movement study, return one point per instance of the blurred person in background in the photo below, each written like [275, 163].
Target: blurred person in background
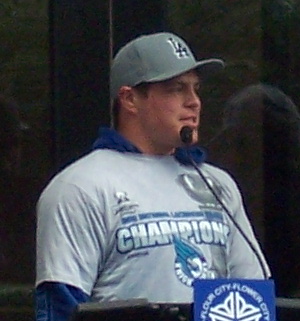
[259, 145]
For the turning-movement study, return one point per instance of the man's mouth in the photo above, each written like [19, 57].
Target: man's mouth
[190, 121]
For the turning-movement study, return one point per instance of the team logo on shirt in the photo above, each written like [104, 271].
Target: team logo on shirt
[124, 204]
[190, 263]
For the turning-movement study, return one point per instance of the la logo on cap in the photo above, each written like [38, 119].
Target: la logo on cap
[180, 50]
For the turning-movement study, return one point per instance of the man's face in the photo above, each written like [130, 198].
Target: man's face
[167, 107]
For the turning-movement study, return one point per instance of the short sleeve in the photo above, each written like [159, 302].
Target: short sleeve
[70, 237]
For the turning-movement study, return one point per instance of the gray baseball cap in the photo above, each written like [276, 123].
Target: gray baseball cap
[155, 57]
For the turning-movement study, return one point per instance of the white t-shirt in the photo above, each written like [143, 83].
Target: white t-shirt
[124, 225]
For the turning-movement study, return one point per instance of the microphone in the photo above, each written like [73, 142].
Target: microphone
[186, 133]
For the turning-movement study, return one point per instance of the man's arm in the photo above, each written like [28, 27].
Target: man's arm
[56, 301]
[69, 250]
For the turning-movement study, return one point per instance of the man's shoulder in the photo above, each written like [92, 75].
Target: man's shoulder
[92, 163]
[222, 175]
[216, 170]
[87, 172]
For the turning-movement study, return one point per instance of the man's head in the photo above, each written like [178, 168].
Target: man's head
[144, 72]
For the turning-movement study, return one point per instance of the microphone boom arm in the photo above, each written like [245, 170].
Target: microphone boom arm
[186, 137]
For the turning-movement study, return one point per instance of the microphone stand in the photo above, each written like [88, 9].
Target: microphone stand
[186, 137]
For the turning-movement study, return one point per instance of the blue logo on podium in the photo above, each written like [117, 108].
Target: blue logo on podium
[234, 300]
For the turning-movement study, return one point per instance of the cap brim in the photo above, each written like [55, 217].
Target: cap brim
[209, 66]
[204, 67]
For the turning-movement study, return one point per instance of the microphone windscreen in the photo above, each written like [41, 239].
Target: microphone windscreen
[186, 134]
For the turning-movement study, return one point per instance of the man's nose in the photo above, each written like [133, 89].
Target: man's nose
[193, 100]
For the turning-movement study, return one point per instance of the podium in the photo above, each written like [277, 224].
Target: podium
[234, 300]
[132, 310]
[287, 309]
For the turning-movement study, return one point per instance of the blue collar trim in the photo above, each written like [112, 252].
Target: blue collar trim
[111, 139]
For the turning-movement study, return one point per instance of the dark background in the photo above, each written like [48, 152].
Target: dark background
[55, 63]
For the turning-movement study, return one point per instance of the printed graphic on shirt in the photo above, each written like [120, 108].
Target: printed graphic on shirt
[147, 230]
[198, 190]
[187, 231]
[124, 204]
[190, 263]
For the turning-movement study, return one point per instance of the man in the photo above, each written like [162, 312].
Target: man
[133, 219]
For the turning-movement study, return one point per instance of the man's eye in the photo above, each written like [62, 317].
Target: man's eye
[177, 88]
[198, 91]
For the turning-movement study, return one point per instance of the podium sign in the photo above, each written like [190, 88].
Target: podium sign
[234, 300]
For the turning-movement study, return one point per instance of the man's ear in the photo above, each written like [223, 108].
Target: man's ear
[127, 98]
